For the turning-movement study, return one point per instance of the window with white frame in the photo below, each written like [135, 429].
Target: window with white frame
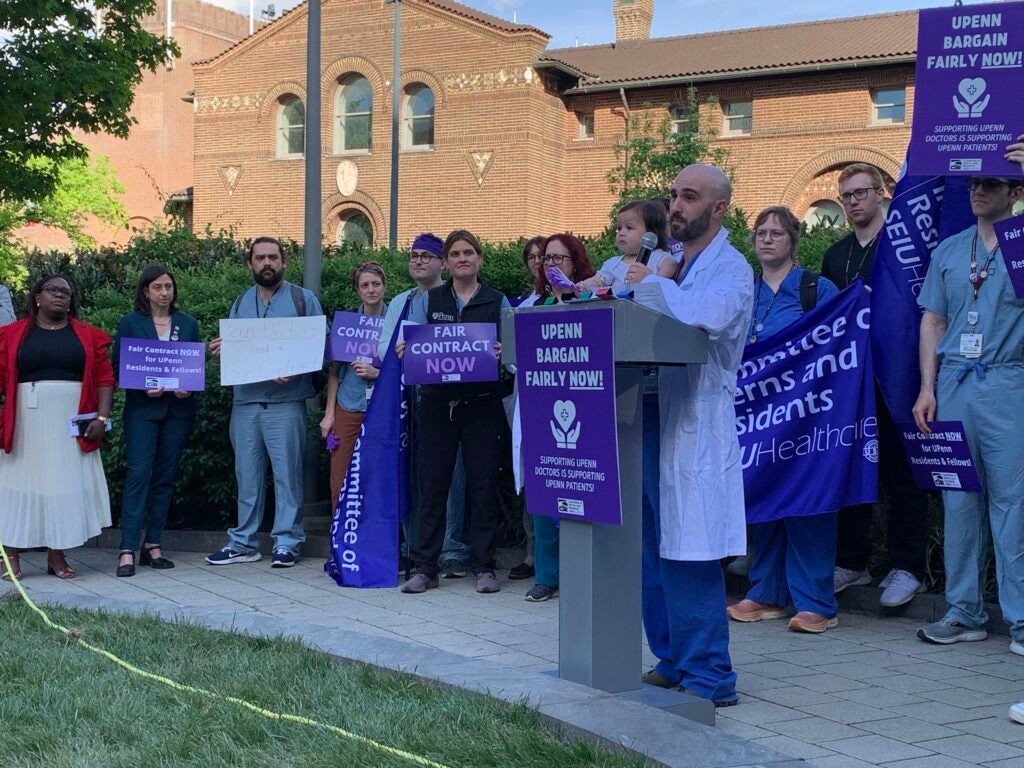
[680, 120]
[586, 125]
[291, 127]
[353, 106]
[355, 228]
[737, 118]
[419, 117]
[888, 106]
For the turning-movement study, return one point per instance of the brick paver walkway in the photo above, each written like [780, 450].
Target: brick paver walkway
[868, 693]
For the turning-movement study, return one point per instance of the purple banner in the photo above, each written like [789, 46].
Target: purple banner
[445, 353]
[353, 337]
[149, 364]
[1011, 244]
[967, 85]
[566, 385]
[805, 414]
[942, 460]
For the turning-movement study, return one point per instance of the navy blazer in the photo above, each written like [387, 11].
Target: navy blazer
[137, 325]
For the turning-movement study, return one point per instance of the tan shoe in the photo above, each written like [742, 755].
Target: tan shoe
[751, 610]
[808, 621]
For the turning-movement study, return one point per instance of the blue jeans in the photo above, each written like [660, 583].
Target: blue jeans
[455, 549]
[545, 551]
[683, 603]
[274, 431]
[794, 558]
[993, 426]
[152, 451]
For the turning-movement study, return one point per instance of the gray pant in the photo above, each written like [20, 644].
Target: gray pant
[274, 431]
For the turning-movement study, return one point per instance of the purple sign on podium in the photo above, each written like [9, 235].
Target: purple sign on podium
[353, 337]
[967, 104]
[566, 383]
[1011, 244]
[942, 460]
[149, 364]
[446, 353]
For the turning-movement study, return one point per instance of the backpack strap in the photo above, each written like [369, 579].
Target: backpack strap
[299, 300]
[809, 290]
[237, 304]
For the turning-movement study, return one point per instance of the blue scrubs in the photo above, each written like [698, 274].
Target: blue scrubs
[986, 393]
[793, 557]
[682, 601]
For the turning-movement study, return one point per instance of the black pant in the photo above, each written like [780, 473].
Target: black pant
[908, 509]
[479, 427]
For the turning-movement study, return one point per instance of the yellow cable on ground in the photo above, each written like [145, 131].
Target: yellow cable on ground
[74, 637]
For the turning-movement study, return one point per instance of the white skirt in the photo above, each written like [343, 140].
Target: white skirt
[51, 493]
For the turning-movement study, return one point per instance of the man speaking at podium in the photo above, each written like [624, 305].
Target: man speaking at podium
[701, 517]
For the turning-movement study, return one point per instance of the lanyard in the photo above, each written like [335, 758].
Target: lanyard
[681, 277]
[978, 278]
[256, 299]
[757, 324]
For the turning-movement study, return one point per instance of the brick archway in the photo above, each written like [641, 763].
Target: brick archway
[334, 205]
[268, 106]
[808, 183]
[357, 65]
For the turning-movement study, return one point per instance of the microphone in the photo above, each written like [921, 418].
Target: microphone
[647, 244]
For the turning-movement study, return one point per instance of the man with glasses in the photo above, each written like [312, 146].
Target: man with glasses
[861, 191]
[426, 261]
[972, 371]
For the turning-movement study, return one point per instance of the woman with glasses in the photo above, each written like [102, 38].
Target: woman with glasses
[157, 424]
[569, 255]
[350, 385]
[793, 557]
[58, 382]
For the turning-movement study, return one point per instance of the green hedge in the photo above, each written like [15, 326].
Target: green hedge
[210, 272]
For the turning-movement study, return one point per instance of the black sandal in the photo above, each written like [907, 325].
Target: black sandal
[129, 569]
[157, 563]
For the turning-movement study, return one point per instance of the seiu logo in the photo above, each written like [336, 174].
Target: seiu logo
[443, 316]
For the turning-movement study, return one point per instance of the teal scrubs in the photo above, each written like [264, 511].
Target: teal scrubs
[986, 393]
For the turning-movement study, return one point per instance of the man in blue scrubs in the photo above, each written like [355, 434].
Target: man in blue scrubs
[972, 370]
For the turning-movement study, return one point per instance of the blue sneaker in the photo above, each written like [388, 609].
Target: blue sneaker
[227, 556]
[282, 558]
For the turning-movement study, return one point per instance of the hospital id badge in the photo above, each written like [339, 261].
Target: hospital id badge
[970, 345]
[32, 401]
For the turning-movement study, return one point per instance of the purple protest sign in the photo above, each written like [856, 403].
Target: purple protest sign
[942, 460]
[967, 105]
[150, 364]
[1011, 244]
[566, 386]
[353, 337]
[444, 353]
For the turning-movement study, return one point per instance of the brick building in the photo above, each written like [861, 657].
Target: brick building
[507, 138]
[155, 161]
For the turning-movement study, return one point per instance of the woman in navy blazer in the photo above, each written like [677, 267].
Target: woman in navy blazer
[157, 424]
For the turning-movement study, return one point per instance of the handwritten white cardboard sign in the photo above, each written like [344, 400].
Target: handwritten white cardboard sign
[264, 349]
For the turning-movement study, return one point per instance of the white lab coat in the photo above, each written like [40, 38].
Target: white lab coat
[702, 509]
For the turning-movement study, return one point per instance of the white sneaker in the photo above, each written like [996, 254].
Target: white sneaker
[900, 588]
[1018, 648]
[845, 577]
[1017, 712]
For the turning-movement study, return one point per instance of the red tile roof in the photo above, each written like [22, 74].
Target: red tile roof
[716, 55]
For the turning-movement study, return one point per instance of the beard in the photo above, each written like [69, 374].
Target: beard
[268, 278]
[688, 231]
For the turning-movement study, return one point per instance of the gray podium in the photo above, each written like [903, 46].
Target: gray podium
[600, 634]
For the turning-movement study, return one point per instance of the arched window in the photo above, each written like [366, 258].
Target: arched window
[825, 213]
[355, 228]
[418, 111]
[352, 114]
[291, 127]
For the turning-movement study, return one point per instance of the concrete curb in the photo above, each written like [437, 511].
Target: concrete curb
[665, 739]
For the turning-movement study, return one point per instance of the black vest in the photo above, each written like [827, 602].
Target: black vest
[484, 307]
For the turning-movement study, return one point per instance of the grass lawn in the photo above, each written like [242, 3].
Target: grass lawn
[61, 705]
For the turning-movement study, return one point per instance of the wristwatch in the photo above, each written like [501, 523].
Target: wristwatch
[104, 419]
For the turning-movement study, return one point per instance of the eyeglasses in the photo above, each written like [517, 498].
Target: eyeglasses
[534, 258]
[774, 234]
[986, 184]
[856, 194]
[422, 257]
[56, 290]
[554, 258]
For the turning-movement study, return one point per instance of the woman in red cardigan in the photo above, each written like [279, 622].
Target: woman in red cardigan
[53, 369]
